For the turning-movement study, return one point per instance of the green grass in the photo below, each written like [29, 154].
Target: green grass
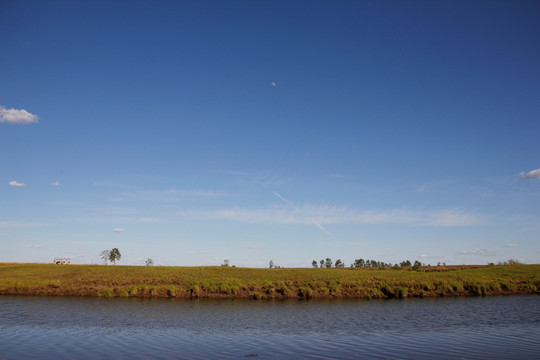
[229, 282]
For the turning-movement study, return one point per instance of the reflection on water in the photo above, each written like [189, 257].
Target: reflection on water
[457, 328]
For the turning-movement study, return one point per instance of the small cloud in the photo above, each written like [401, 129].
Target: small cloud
[511, 245]
[533, 174]
[118, 230]
[471, 252]
[16, 184]
[12, 224]
[477, 252]
[14, 116]
[250, 246]
[35, 246]
[338, 176]
[425, 256]
[273, 83]
[56, 183]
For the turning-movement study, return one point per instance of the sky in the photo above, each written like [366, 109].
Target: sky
[191, 132]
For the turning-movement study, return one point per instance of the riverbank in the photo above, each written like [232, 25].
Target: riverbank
[231, 282]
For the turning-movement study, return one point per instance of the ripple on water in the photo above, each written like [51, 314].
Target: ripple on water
[470, 328]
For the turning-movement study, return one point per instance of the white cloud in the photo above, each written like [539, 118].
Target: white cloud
[13, 224]
[14, 116]
[511, 245]
[118, 230]
[273, 83]
[250, 246]
[328, 215]
[56, 183]
[16, 184]
[166, 196]
[472, 252]
[338, 176]
[425, 256]
[477, 252]
[35, 246]
[534, 174]
[121, 220]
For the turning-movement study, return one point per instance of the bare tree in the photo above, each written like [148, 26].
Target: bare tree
[105, 254]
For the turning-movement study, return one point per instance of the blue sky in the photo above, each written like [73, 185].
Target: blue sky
[191, 132]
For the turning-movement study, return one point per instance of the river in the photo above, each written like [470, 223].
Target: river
[95, 328]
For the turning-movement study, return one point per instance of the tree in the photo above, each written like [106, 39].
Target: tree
[339, 263]
[149, 262]
[114, 255]
[314, 264]
[225, 263]
[328, 263]
[271, 264]
[105, 256]
[359, 263]
[322, 263]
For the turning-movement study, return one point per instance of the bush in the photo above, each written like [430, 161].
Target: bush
[305, 292]
[171, 291]
[385, 289]
[400, 292]
[283, 290]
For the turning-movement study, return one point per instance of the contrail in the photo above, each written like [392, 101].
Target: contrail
[322, 228]
[286, 201]
[290, 203]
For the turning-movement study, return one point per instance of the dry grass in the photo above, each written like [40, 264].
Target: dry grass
[228, 282]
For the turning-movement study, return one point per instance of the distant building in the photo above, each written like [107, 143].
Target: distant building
[62, 261]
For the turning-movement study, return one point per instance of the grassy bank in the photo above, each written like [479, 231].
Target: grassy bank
[225, 282]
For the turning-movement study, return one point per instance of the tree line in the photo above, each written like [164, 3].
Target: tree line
[361, 263]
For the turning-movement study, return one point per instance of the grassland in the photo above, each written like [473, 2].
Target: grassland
[230, 282]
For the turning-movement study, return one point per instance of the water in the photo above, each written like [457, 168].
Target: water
[92, 328]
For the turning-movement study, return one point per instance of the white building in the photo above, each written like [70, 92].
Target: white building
[62, 261]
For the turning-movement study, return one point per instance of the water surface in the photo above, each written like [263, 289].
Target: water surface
[446, 328]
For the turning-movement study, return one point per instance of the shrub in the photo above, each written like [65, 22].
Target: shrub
[507, 286]
[283, 290]
[171, 291]
[483, 289]
[400, 292]
[305, 292]
[387, 291]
